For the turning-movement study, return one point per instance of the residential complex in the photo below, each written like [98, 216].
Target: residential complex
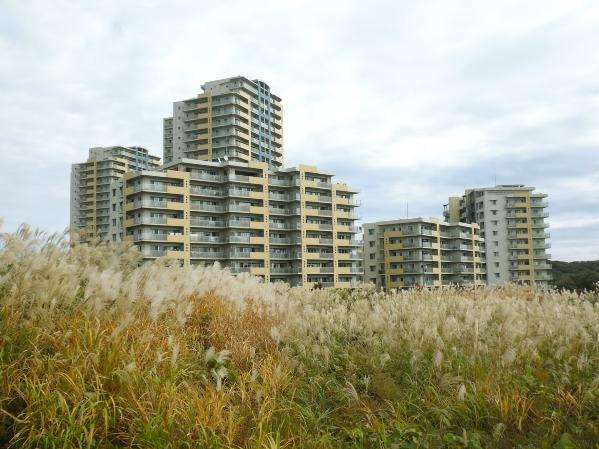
[224, 196]
[293, 224]
[233, 119]
[423, 252]
[96, 190]
[512, 221]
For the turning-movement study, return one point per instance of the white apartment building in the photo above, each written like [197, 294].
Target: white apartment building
[512, 220]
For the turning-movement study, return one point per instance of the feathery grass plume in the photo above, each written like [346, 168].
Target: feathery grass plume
[97, 350]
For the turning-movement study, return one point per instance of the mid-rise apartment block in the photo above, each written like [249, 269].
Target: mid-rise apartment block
[233, 119]
[512, 220]
[423, 252]
[293, 225]
[96, 190]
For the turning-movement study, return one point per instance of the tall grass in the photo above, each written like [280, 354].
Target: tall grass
[96, 351]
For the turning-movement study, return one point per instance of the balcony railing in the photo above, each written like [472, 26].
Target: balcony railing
[207, 223]
[206, 254]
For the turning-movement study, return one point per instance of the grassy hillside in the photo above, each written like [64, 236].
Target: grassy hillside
[97, 352]
[575, 275]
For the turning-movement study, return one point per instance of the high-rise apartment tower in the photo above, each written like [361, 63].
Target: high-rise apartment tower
[512, 220]
[234, 119]
[96, 190]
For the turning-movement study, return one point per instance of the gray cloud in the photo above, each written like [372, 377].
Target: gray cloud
[398, 98]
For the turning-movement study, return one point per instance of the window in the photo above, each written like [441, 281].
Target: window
[114, 207]
[493, 201]
[114, 222]
[496, 275]
[371, 244]
[113, 192]
[494, 222]
[495, 243]
[494, 212]
[497, 264]
[496, 254]
[372, 267]
[494, 232]
[372, 256]
[371, 231]
[114, 237]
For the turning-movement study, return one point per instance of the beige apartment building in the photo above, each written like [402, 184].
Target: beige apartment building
[512, 220]
[233, 119]
[423, 252]
[293, 225]
[96, 190]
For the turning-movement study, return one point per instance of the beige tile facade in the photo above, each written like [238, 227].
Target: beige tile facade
[293, 225]
[233, 119]
[422, 252]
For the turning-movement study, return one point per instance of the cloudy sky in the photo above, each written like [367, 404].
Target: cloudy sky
[402, 99]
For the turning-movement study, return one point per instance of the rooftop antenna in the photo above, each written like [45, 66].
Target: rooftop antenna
[495, 173]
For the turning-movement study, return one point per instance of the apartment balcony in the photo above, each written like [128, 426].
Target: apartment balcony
[194, 117]
[290, 197]
[318, 212]
[317, 184]
[520, 267]
[194, 190]
[207, 177]
[198, 238]
[153, 253]
[199, 207]
[149, 236]
[148, 204]
[285, 270]
[284, 182]
[254, 271]
[315, 198]
[319, 255]
[246, 193]
[150, 187]
[284, 241]
[206, 223]
[245, 224]
[540, 225]
[284, 226]
[198, 254]
[196, 105]
[246, 179]
[282, 211]
[146, 221]
[236, 254]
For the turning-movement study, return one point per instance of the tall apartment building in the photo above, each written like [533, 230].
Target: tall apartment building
[293, 224]
[96, 190]
[234, 119]
[423, 252]
[512, 221]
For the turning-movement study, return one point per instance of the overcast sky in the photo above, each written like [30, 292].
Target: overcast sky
[402, 99]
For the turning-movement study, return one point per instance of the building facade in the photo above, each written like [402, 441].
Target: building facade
[512, 220]
[234, 119]
[423, 252]
[293, 225]
[96, 190]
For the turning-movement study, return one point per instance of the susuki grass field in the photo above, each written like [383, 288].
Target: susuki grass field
[98, 352]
